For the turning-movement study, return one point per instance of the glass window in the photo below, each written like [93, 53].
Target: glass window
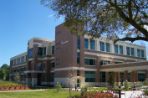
[78, 43]
[141, 76]
[102, 46]
[53, 48]
[102, 77]
[104, 62]
[128, 51]
[41, 51]
[138, 52]
[30, 53]
[90, 76]
[142, 53]
[107, 47]
[120, 49]
[92, 44]
[116, 49]
[132, 52]
[86, 43]
[78, 57]
[89, 61]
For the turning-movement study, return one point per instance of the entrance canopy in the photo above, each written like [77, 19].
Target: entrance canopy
[130, 66]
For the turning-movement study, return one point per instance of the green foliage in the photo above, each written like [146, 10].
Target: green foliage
[146, 92]
[104, 17]
[4, 72]
[111, 79]
[145, 83]
[126, 85]
[8, 83]
[98, 89]
[58, 86]
[83, 90]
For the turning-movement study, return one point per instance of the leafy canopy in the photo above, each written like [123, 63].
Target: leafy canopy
[119, 19]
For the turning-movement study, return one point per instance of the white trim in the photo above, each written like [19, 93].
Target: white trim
[32, 71]
[74, 68]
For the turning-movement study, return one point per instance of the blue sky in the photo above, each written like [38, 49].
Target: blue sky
[21, 20]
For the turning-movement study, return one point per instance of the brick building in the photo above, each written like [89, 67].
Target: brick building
[79, 60]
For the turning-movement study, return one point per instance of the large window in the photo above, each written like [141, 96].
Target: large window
[102, 77]
[92, 44]
[86, 43]
[53, 49]
[41, 51]
[120, 49]
[140, 53]
[107, 47]
[30, 53]
[141, 76]
[116, 49]
[102, 46]
[132, 52]
[90, 61]
[90, 76]
[104, 62]
[78, 43]
[128, 50]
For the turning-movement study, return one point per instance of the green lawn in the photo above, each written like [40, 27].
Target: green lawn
[51, 93]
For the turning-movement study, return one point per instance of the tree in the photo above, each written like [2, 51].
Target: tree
[4, 72]
[117, 19]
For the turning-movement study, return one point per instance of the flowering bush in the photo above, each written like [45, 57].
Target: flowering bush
[98, 95]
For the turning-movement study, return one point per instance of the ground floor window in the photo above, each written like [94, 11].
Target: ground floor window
[90, 76]
[141, 76]
[102, 77]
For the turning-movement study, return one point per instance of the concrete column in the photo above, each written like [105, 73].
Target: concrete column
[118, 76]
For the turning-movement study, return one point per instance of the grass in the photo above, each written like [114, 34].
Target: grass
[99, 89]
[50, 93]
[8, 83]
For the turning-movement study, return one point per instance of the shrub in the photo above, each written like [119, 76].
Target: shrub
[146, 92]
[126, 85]
[83, 90]
[98, 95]
[145, 83]
[58, 86]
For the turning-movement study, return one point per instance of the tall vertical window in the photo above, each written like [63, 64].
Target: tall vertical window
[142, 53]
[86, 43]
[128, 50]
[78, 57]
[102, 46]
[132, 52]
[120, 49]
[107, 47]
[102, 77]
[92, 44]
[53, 48]
[30, 53]
[138, 52]
[78, 43]
[116, 49]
